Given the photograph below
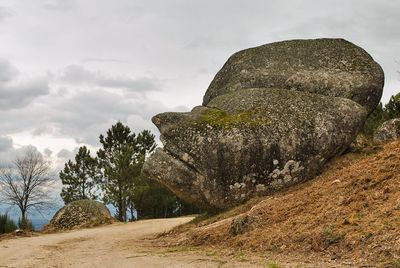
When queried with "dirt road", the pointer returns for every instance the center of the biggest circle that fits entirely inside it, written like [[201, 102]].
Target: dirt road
[[116, 245]]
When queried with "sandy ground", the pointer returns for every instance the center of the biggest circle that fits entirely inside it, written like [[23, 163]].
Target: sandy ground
[[116, 245]]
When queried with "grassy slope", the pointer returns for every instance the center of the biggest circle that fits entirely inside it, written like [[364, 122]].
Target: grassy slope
[[350, 212]]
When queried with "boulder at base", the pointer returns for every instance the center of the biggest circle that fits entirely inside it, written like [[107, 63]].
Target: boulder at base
[[80, 214], [271, 118], [388, 131]]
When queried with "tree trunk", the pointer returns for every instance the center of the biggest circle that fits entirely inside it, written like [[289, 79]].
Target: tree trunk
[[120, 218]]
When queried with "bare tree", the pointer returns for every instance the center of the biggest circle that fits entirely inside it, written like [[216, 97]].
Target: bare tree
[[27, 184]]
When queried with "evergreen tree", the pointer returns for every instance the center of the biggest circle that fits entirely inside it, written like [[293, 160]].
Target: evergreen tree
[[374, 120], [79, 178], [150, 199], [120, 160], [381, 114], [392, 108]]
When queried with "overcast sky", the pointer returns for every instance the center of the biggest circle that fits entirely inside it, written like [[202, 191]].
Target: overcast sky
[[69, 69]]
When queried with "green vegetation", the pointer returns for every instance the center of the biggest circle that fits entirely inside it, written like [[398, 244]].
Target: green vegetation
[[219, 118], [79, 178], [381, 114], [152, 200], [273, 265], [116, 174], [395, 263], [7, 225], [120, 163], [241, 256], [331, 237], [25, 224]]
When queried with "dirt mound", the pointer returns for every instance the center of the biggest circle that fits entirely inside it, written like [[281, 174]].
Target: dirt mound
[[350, 213], [80, 214]]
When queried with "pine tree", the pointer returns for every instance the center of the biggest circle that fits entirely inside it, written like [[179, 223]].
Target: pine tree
[[121, 159], [392, 108], [374, 120], [79, 178]]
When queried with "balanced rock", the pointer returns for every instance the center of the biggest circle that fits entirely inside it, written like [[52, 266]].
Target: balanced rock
[[330, 67], [388, 131], [256, 134], [80, 214]]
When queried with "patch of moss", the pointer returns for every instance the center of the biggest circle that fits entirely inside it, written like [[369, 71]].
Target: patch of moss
[[219, 118]]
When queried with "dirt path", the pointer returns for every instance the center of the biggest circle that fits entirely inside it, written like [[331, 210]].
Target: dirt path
[[116, 245]]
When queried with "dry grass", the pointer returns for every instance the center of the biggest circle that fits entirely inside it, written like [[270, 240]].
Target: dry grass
[[350, 212]]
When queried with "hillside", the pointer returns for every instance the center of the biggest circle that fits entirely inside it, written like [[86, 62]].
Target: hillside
[[349, 215]]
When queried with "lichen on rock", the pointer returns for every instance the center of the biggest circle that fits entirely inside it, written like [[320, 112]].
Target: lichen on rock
[[80, 214], [388, 131], [272, 117]]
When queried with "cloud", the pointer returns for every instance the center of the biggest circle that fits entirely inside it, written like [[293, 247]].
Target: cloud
[[59, 5], [10, 154], [65, 154], [86, 115], [47, 152], [44, 129], [17, 91], [85, 60], [4, 13], [6, 143], [7, 71], [76, 74], [79, 104], [22, 93]]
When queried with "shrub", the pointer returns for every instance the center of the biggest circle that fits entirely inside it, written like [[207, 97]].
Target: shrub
[[25, 224], [7, 225]]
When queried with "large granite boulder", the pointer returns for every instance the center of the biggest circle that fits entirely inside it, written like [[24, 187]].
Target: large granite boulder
[[80, 214], [256, 134], [330, 67], [388, 131]]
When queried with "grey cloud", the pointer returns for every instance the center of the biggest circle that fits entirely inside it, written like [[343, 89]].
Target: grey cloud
[[85, 60], [60, 5], [47, 152], [181, 108], [4, 13], [65, 154], [7, 71], [76, 74], [20, 94], [17, 91], [88, 114], [82, 115], [11, 154], [44, 129], [6, 143]]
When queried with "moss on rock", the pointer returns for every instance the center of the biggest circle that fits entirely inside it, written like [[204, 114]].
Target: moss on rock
[[219, 118]]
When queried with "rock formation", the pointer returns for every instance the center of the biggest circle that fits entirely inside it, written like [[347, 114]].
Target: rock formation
[[272, 117], [80, 214], [388, 131]]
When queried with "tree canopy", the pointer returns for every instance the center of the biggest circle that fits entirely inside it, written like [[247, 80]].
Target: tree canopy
[[120, 160], [79, 178], [381, 114], [116, 172]]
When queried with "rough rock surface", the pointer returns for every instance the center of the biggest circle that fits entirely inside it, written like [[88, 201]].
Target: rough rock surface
[[331, 67], [255, 134], [80, 214], [388, 131]]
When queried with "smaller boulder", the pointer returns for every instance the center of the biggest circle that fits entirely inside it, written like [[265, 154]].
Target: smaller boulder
[[388, 131], [80, 214], [242, 224]]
